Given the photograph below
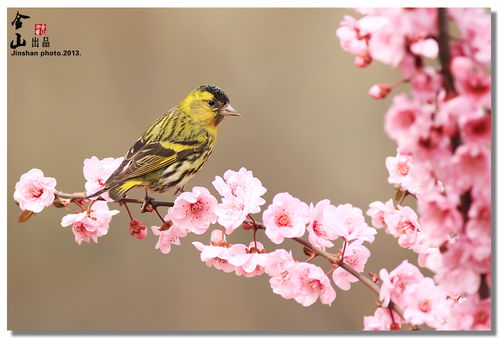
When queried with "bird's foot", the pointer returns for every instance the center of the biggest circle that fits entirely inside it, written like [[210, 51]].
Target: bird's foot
[[147, 206]]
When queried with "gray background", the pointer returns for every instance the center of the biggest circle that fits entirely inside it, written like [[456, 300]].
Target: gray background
[[308, 127]]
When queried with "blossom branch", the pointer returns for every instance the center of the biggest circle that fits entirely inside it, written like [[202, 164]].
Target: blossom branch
[[335, 260], [444, 55], [76, 196]]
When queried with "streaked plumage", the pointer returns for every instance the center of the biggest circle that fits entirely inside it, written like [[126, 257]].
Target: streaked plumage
[[174, 147]]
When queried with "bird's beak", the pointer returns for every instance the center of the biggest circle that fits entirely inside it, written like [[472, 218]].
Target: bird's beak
[[228, 110]]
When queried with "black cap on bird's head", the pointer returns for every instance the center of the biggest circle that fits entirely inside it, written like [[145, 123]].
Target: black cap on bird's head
[[218, 93], [222, 101]]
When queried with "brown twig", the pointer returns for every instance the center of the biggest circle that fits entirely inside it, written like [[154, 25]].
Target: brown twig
[[444, 55], [153, 203]]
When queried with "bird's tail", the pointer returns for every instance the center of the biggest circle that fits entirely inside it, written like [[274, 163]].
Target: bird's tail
[[98, 193], [118, 191]]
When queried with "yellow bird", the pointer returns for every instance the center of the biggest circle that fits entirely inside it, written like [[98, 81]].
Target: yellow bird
[[174, 147]]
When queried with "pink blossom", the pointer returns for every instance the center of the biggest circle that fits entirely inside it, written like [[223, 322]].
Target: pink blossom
[[249, 261], [278, 262], [286, 217], [317, 234], [471, 313], [429, 256], [34, 191], [387, 45], [427, 142], [380, 90], [168, 236], [383, 320], [138, 229], [475, 27], [351, 38], [217, 253], [348, 222], [452, 111], [97, 172], [425, 83], [439, 216], [409, 175], [399, 168], [305, 283], [378, 211], [194, 211], [471, 164], [471, 81], [394, 284], [278, 265], [314, 284], [90, 224], [425, 47], [462, 263], [354, 36], [356, 256], [479, 224], [241, 195], [425, 303], [476, 129], [403, 225], [400, 120]]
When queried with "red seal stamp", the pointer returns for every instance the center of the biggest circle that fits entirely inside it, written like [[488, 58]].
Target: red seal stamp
[[40, 29]]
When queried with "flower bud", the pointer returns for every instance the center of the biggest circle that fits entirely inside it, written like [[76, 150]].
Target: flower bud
[[380, 91], [363, 61], [137, 229]]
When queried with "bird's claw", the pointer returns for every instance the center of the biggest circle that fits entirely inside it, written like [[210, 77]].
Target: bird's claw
[[147, 206]]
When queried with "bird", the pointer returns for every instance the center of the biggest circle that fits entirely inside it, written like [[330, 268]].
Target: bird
[[174, 147]]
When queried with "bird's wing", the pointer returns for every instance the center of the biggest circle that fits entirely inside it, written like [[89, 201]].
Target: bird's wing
[[148, 155]]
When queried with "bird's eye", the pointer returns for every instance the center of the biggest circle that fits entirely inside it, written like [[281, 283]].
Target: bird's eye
[[211, 103]]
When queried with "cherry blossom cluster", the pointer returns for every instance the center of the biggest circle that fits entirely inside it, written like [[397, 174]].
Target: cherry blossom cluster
[[443, 133], [197, 211], [286, 217]]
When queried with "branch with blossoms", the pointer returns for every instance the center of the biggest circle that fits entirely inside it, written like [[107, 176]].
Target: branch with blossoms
[[194, 212], [443, 133]]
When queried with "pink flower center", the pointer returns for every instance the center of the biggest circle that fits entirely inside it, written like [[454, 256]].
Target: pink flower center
[[79, 227], [477, 85], [403, 168], [438, 214], [283, 221], [196, 207], [352, 260], [480, 128], [424, 306], [220, 260], [473, 162], [406, 226], [406, 118], [317, 227], [100, 181], [314, 284], [481, 317], [36, 192], [484, 214]]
